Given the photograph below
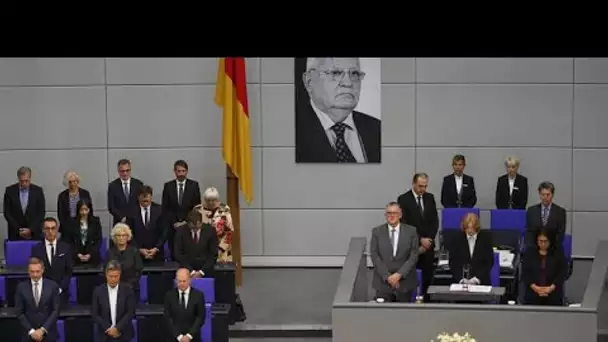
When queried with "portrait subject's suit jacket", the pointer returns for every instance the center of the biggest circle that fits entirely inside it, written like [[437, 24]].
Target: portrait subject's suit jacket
[[313, 146], [404, 261]]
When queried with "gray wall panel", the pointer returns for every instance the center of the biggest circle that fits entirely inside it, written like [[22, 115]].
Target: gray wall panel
[[51, 71]]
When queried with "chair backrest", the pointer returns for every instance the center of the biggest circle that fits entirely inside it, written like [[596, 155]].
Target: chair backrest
[[451, 217], [207, 287], [60, 331], [143, 288], [135, 332], [167, 251], [73, 291], [567, 245], [508, 219], [206, 329], [506, 237], [418, 290], [495, 271], [17, 253], [103, 249], [2, 290], [447, 238]]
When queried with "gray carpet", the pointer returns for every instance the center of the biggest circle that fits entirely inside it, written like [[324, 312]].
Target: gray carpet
[[288, 296]]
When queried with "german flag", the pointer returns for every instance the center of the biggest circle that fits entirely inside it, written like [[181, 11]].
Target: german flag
[[231, 96]]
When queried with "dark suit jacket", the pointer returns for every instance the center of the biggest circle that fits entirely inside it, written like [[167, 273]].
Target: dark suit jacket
[[556, 223], [556, 270], [92, 243], [201, 256], [426, 223], [63, 206], [449, 194], [117, 203], [480, 264], [170, 204], [125, 312], [34, 214], [156, 231], [313, 146], [189, 321], [60, 270], [44, 315], [518, 199], [404, 262]]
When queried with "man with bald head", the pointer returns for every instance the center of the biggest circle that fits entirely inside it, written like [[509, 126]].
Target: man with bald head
[[328, 129], [184, 309]]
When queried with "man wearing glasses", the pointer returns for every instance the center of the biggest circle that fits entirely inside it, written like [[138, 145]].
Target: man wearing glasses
[[122, 192], [394, 253], [328, 129]]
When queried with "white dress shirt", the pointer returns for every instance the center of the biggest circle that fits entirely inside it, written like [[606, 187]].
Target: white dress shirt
[[458, 180], [186, 298], [48, 245], [416, 199], [39, 296], [128, 183], [396, 244], [143, 214], [472, 239], [351, 135], [113, 298], [511, 185]]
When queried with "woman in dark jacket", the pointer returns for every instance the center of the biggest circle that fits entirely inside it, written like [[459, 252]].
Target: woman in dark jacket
[[85, 235], [544, 271], [67, 199], [127, 255]]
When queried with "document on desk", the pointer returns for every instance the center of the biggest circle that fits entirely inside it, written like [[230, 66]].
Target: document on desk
[[506, 259], [471, 288]]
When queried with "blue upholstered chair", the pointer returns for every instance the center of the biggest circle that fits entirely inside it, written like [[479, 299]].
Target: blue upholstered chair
[[451, 217], [17, 253]]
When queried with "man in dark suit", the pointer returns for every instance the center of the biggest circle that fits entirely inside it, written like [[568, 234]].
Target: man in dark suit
[[113, 307], [196, 248], [394, 253], [24, 207], [546, 215], [512, 188], [180, 196], [328, 129], [122, 192], [458, 189], [57, 258], [37, 304], [184, 310], [420, 210], [149, 227]]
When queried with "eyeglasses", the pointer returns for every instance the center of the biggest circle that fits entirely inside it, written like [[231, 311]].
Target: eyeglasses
[[392, 213], [338, 74], [124, 170]]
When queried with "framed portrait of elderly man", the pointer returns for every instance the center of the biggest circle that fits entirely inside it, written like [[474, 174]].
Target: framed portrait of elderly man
[[337, 110]]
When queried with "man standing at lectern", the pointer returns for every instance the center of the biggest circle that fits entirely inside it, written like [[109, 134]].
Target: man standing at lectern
[[420, 210], [394, 253]]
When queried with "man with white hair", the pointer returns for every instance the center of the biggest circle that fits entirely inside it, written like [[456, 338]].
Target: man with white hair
[[328, 129]]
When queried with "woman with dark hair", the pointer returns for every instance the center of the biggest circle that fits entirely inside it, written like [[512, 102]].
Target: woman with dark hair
[[544, 271], [85, 235]]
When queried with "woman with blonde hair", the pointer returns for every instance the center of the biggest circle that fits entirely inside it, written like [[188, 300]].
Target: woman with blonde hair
[[67, 199], [217, 214], [471, 253], [127, 255]]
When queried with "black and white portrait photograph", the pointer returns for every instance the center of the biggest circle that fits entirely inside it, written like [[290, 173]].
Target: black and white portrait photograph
[[338, 110]]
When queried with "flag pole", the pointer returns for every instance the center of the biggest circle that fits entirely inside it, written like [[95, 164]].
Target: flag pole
[[232, 186]]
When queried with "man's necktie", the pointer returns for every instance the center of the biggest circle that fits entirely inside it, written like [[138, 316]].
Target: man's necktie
[[420, 205], [195, 236], [125, 189], [180, 193], [393, 240], [146, 217], [52, 253], [545, 216], [183, 300], [36, 293], [342, 151]]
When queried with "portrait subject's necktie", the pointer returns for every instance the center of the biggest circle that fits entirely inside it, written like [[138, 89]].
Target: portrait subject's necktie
[[36, 293], [393, 242], [180, 193], [342, 151]]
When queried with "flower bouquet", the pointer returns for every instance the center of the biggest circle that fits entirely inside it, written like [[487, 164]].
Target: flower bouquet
[[455, 337]]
